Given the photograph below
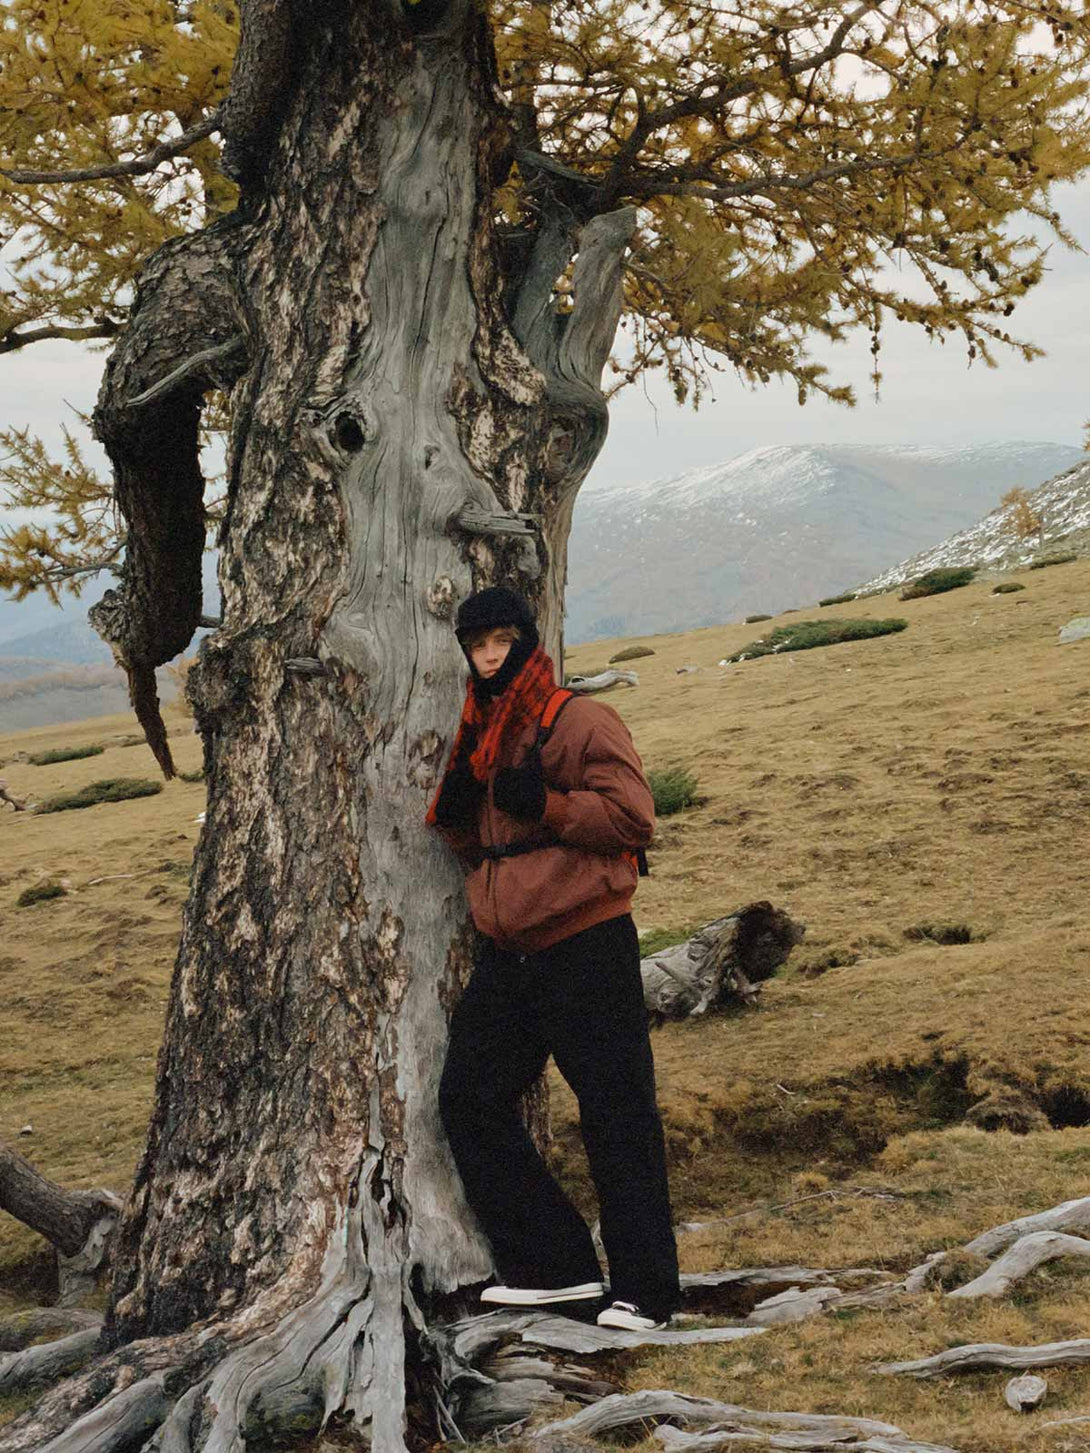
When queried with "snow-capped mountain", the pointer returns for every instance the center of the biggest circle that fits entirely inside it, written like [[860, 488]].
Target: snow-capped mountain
[[1061, 504], [776, 527]]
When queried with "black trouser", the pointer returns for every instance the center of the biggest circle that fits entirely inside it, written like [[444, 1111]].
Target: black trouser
[[582, 1002]]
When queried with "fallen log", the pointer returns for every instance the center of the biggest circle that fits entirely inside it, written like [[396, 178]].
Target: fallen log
[[725, 961]]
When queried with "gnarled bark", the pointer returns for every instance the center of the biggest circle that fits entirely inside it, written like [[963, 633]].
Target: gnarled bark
[[387, 415]]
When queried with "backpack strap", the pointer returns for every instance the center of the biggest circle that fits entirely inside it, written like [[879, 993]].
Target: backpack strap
[[553, 707]]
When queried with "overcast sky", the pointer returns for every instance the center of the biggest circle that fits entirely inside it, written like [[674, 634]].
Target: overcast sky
[[930, 395]]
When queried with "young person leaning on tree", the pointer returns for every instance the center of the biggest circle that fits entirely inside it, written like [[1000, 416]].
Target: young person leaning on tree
[[548, 826]]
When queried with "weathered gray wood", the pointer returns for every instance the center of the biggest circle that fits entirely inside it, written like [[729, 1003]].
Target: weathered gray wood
[[42, 1364], [588, 685], [731, 1422], [1023, 1394], [815, 1438], [130, 1415], [1068, 1216], [506, 1405], [566, 1335], [727, 958], [471, 1338], [479, 521], [793, 1305], [781, 1276], [992, 1354], [1027, 1253], [199, 365]]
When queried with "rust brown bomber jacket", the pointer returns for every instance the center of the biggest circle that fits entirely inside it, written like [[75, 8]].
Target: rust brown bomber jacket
[[598, 805]]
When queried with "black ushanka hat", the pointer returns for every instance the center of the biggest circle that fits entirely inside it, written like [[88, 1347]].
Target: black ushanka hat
[[488, 610]]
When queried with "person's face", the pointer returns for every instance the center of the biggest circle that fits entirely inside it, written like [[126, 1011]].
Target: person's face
[[490, 650]]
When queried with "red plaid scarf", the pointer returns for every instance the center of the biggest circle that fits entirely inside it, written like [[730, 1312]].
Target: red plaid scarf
[[519, 706]]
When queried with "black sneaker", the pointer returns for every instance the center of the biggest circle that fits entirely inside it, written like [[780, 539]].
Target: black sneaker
[[628, 1317], [542, 1296]]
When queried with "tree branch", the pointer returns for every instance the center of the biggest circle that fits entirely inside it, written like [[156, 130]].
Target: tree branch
[[656, 185], [712, 97], [138, 166], [200, 363], [64, 1218], [12, 341]]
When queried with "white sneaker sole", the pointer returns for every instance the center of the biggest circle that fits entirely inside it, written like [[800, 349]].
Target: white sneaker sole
[[626, 1322], [542, 1296]]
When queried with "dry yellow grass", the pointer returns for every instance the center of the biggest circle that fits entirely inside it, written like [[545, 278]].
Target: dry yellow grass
[[940, 776]]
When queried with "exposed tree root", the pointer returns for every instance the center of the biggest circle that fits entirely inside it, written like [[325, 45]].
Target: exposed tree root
[[1068, 1216], [1028, 1253], [342, 1351], [40, 1365], [993, 1354], [78, 1224], [22, 1328], [726, 1423]]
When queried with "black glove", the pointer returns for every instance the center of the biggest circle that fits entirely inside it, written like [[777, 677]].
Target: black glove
[[520, 791], [460, 797]]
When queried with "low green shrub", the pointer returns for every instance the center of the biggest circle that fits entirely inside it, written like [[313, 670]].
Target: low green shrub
[[1006, 587], [838, 599], [110, 789], [805, 635], [631, 653], [197, 776], [1046, 560], [38, 893], [63, 754], [935, 582], [751, 620], [673, 789]]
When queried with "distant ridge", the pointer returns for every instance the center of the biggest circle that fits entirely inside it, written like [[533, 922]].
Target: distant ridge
[[1063, 506], [776, 527]]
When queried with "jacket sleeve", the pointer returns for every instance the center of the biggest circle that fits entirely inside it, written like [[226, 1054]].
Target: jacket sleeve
[[612, 809], [465, 842]]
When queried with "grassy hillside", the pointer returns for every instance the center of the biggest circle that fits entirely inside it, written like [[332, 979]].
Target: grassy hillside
[[895, 1093]]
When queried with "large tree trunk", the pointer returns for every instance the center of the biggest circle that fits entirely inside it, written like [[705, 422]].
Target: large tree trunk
[[296, 1207]]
